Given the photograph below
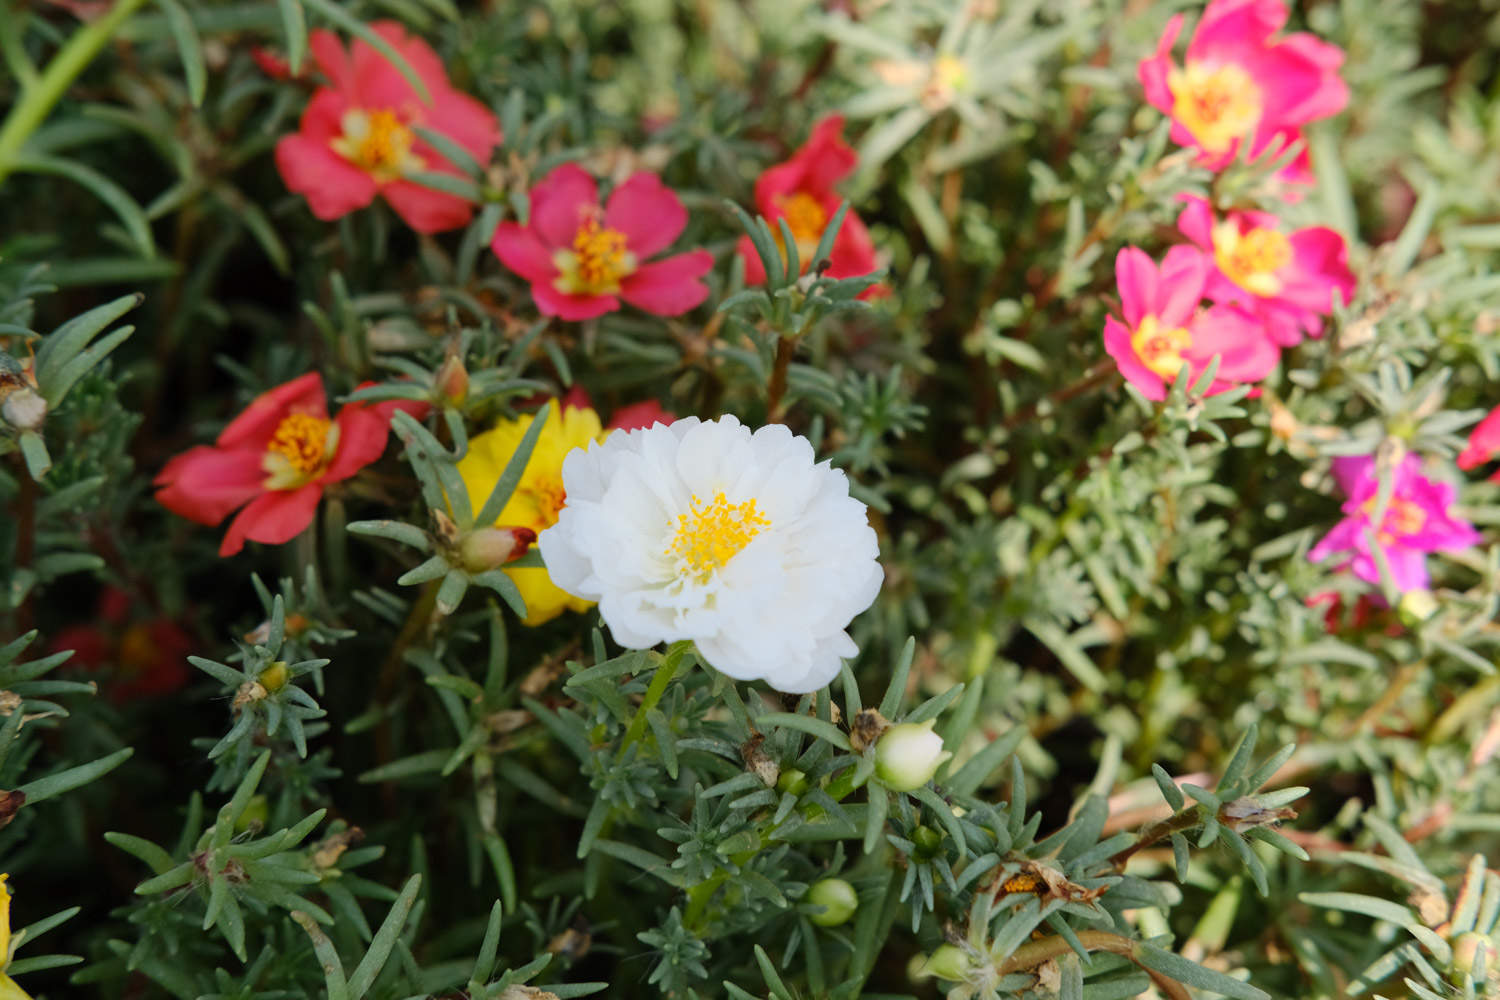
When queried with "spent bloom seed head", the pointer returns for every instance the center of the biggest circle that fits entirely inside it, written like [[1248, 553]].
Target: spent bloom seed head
[[738, 541], [357, 137], [1164, 328], [1289, 280], [1242, 81], [801, 191], [275, 459], [582, 259], [1416, 521]]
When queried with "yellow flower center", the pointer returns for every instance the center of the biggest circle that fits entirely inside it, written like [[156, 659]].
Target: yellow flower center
[[547, 496], [1218, 104], [1160, 350], [1402, 519], [713, 533], [596, 263], [299, 449], [378, 143], [1251, 259]]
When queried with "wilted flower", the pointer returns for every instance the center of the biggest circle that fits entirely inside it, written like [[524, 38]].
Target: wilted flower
[[1416, 521], [1239, 82], [1290, 280], [1164, 328], [582, 260], [357, 138], [801, 192], [1484, 444], [908, 754], [702, 530], [276, 458], [144, 655]]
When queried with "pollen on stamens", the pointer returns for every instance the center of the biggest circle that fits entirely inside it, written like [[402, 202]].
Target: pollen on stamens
[[713, 533], [301, 439]]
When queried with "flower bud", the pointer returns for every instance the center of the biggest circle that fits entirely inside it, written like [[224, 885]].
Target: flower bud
[[24, 409], [490, 548], [254, 816], [947, 962], [927, 841], [1416, 607], [274, 677], [1466, 950], [793, 781], [837, 898], [452, 380], [908, 755]]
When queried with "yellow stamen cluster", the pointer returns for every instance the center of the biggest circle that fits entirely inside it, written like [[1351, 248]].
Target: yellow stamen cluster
[[1251, 259], [804, 216], [299, 449], [1402, 519], [1218, 104], [599, 259], [377, 142], [714, 533], [1160, 350]]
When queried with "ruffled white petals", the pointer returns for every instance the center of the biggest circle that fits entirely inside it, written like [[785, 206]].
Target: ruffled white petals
[[790, 556]]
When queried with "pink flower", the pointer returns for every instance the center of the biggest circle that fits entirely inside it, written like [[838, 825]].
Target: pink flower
[[1484, 444], [276, 458], [1238, 82], [1416, 522], [801, 192], [1289, 280], [357, 136], [1164, 328], [581, 260]]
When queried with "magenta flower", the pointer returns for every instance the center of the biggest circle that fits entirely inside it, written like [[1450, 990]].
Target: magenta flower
[[1238, 82], [582, 260], [1416, 522], [1164, 328], [1289, 280]]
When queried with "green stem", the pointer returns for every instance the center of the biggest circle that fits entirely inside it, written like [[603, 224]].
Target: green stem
[[664, 673], [37, 101]]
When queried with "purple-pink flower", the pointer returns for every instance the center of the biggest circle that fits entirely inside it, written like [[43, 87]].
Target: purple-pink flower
[[1164, 328], [1416, 521], [1239, 82], [1289, 279]]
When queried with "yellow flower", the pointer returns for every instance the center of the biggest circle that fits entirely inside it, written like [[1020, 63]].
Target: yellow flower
[[539, 495], [8, 988]]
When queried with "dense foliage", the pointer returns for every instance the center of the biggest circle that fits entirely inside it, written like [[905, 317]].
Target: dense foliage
[[1103, 604]]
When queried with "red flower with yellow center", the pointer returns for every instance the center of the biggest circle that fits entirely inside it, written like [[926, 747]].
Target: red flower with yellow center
[[1217, 104], [801, 191], [583, 259], [275, 459], [357, 137]]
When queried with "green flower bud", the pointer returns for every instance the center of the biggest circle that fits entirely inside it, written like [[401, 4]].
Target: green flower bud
[[837, 898], [947, 962], [1466, 949], [274, 677], [927, 841], [908, 755], [792, 780]]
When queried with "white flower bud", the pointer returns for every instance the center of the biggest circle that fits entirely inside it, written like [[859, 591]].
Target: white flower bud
[[908, 755]]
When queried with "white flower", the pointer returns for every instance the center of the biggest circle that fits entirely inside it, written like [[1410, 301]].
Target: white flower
[[737, 541]]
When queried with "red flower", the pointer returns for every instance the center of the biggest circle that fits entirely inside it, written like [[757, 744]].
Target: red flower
[[631, 416], [801, 192], [581, 260], [276, 457], [147, 657], [1484, 443], [357, 137]]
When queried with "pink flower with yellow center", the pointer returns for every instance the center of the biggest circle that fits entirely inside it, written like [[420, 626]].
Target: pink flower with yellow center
[[1165, 329], [1289, 279], [276, 458], [801, 191], [1416, 521], [1239, 83], [357, 138], [582, 259]]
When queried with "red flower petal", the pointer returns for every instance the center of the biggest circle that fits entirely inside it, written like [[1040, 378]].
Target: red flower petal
[[273, 518], [379, 84], [363, 428], [755, 272], [466, 121], [426, 210], [670, 286], [646, 413], [332, 185], [254, 426], [519, 249], [551, 302], [647, 212], [331, 58], [556, 203], [204, 484]]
